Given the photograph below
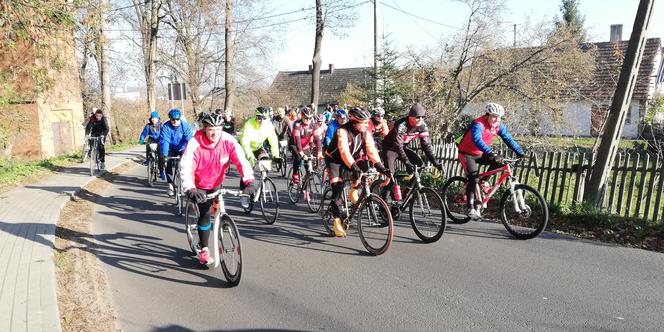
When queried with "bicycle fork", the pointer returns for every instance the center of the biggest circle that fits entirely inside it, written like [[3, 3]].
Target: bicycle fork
[[518, 201]]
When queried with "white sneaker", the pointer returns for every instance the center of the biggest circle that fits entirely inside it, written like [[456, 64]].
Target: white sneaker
[[170, 191], [244, 201], [474, 214]]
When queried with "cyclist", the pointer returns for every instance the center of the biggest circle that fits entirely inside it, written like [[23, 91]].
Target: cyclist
[[150, 135], [327, 114], [301, 140], [173, 139], [280, 123], [340, 118], [378, 126], [98, 126], [229, 121], [255, 132], [203, 167], [475, 149], [349, 144]]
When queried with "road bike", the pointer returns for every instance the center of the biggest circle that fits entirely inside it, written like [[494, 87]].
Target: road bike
[[282, 163], [310, 186], [522, 209], [95, 163], [266, 194], [375, 226], [177, 183], [426, 210], [225, 247], [152, 166]]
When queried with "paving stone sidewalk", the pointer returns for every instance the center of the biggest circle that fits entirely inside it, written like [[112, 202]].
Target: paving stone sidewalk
[[28, 216]]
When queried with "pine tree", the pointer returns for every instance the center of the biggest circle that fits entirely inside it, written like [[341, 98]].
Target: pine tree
[[572, 19]]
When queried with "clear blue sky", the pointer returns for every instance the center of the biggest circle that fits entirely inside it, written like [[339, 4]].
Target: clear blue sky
[[298, 38]]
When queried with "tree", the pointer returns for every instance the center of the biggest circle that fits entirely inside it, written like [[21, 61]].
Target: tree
[[228, 42], [572, 19], [101, 55]]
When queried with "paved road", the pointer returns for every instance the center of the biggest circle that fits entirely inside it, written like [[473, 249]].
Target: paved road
[[475, 278]]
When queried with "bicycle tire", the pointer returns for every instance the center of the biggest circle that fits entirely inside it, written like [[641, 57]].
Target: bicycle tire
[[516, 227], [314, 186], [269, 194], [382, 231], [229, 243], [151, 172], [93, 159], [191, 226], [433, 228], [294, 190], [283, 165], [177, 185], [395, 207], [454, 199], [325, 211]]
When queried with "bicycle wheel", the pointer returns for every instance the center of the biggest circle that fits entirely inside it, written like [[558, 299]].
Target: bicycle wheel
[[394, 206], [325, 211], [314, 187], [230, 250], [93, 159], [191, 226], [427, 215], [293, 189], [533, 217], [177, 185], [375, 232], [283, 165], [151, 172], [454, 199], [269, 201]]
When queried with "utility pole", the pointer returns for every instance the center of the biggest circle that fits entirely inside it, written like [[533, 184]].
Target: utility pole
[[514, 35], [622, 98], [376, 34]]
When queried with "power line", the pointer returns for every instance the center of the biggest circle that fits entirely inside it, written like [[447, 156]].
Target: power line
[[417, 16]]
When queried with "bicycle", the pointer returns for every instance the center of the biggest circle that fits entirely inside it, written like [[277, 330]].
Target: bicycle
[[522, 210], [95, 163], [282, 165], [374, 219], [309, 188], [177, 183], [266, 194], [152, 167], [86, 149], [226, 247], [426, 210]]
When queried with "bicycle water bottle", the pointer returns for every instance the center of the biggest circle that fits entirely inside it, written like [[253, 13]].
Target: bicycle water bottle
[[397, 192], [215, 207], [486, 187]]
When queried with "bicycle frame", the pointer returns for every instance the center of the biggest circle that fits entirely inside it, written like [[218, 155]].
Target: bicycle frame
[[364, 182], [506, 175], [264, 166], [221, 211]]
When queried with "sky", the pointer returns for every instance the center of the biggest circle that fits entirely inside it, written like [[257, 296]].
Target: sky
[[355, 49]]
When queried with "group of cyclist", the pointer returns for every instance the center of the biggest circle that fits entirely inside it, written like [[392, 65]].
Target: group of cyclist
[[348, 139]]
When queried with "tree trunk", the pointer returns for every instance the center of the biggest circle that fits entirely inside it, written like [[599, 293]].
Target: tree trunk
[[315, 75], [102, 63], [228, 75], [150, 60]]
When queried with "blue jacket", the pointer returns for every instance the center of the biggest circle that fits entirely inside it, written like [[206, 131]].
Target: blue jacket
[[481, 137], [151, 132], [174, 138], [331, 129]]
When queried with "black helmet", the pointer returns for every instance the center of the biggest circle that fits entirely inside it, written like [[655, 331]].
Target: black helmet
[[212, 120], [262, 112], [358, 115], [307, 112]]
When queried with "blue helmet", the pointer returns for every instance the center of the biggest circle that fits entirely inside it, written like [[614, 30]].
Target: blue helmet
[[341, 113], [174, 114], [154, 115]]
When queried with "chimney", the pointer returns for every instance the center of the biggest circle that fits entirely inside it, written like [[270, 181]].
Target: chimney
[[331, 68], [311, 69], [616, 33]]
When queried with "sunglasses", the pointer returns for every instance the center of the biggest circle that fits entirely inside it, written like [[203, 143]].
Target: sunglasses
[[175, 119], [260, 117]]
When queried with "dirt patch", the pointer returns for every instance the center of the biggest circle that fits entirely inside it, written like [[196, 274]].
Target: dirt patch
[[84, 298]]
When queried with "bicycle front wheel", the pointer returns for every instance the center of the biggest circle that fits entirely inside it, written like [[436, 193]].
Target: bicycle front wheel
[[427, 215], [293, 189], [314, 187], [93, 160], [533, 216], [454, 198], [269, 201], [283, 165], [151, 172], [325, 210], [230, 250], [375, 225], [191, 226], [178, 192]]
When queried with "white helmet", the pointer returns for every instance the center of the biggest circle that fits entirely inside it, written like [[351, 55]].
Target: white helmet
[[494, 109]]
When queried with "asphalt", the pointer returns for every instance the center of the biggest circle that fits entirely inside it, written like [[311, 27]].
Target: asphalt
[[296, 278]]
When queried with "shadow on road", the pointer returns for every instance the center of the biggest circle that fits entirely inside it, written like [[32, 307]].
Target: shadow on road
[[178, 328]]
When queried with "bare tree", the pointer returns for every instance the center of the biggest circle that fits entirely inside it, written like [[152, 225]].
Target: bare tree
[[102, 64], [148, 19], [228, 77]]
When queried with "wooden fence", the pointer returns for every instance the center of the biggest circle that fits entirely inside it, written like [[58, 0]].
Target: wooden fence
[[634, 188]]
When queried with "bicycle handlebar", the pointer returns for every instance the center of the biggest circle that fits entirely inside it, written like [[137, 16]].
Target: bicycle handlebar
[[222, 192]]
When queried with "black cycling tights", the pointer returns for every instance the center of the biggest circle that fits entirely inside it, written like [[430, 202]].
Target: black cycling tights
[[472, 167], [204, 226]]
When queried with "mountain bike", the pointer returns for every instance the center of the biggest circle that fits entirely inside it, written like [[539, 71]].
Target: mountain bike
[[426, 210], [522, 209], [177, 183], [310, 186], [374, 220], [266, 194], [225, 247], [152, 167], [95, 163]]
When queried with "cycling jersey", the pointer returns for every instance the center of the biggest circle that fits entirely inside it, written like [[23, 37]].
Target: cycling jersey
[[477, 140], [403, 133], [331, 129], [229, 125], [379, 129], [320, 130], [254, 135], [174, 139], [302, 136], [282, 128], [349, 145], [151, 132], [204, 165], [96, 127]]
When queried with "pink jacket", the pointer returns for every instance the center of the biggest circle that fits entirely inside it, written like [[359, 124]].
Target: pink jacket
[[204, 165]]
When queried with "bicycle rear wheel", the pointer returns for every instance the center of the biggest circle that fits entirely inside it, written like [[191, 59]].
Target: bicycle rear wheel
[[325, 211], [427, 215], [533, 217], [269, 201], [191, 226], [314, 186], [230, 250], [375, 232], [454, 199], [284, 164]]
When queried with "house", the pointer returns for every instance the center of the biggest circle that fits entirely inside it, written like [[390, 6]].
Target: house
[[47, 123], [293, 88]]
